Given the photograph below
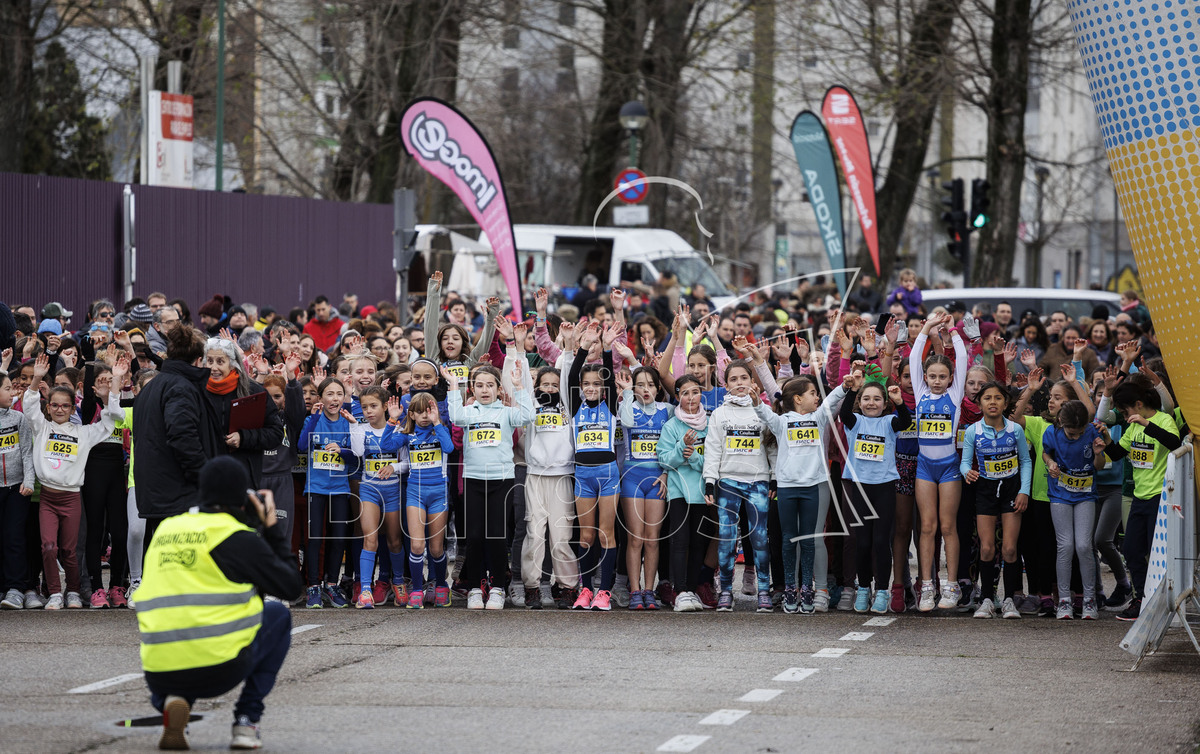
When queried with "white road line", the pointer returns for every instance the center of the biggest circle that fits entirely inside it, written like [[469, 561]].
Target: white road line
[[305, 627], [857, 636], [831, 652], [683, 743], [725, 717], [114, 681], [794, 674], [880, 621], [760, 695]]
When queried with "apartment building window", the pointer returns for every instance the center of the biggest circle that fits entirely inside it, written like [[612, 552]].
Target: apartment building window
[[566, 56], [810, 61], [566, 14], [510, 87], [872, 128], [564, 82], [743, 60], [512, 38]]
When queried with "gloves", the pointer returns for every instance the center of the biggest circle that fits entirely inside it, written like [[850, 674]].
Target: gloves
[[902, 333], [970, 327]]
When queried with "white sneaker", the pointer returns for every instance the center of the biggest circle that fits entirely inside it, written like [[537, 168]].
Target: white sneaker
[[245, 735], [13, 600], [475, 599], [34, 601], [683, 602], [926, 602], [55, 602], [951, 594], [1008, 609], [821, 601], [987, 609], [74, 602], [133, 585], [516, 595], [176, 713], [620, 591], [495, 599]]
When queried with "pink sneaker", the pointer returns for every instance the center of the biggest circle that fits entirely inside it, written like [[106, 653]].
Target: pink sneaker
[[416, 600], [602, 601], [99, 600], [584, 601], [365, 600], [116, 597], [441, 596]]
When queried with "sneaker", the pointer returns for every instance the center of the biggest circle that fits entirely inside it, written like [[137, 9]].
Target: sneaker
[[1077, 604], [1008, 609], [366, 599], [1065, 611], [666, 593], [13, 600], [602, 600], [620, 591], [55, 602], [1129, 613], [133, 587], [951, 594], [648, 599], [821, 601], [475, 599], [1028, 604], [380, 592], [987, 609], [898, 602], [791, 600], [246, 734], [584, 600], [34, 601], [333, 595], [351, 595], [459, 589], [100, 600], [683, 603], [764, 603], [927, 602], [807, 600], [910, 598], [73, 601], [116, 597], [846, 601], [566, 599], [176, 713], [441, 596], [749, 581], [400, 594], [547, 595], [725, 601], [1046, 608], [707, 596], [637, 601], [314, 601], [970, 596], [1119, 599], [1090, 611], [516, 595], [495, 600], [862, 599], [430, 593], [835, 595], [533, 598], [416, 601], [880, 605]]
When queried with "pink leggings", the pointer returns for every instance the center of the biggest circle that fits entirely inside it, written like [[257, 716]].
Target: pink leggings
[[59, 516]]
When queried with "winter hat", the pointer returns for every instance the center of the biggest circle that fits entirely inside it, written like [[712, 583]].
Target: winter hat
[[141, 314], [214, 307], [223, 481], [52, 326]]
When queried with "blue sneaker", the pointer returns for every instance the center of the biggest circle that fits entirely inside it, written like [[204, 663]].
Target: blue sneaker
[[880, 606], [807, 600], [725, 601], [862, 599], [791, 600], [636, 601], [334, 596], [764, 603], [314, 598]]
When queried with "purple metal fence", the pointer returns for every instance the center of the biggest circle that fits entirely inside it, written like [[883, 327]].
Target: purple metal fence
[[60, 240]]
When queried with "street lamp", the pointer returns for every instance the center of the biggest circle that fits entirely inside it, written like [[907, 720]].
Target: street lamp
[[633, 117]]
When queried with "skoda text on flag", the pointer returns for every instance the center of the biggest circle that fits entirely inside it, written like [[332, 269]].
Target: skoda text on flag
[[849, 135], [449, 146], [815, 157]]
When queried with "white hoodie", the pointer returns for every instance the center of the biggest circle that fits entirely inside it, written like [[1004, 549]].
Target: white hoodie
[[60, 451]]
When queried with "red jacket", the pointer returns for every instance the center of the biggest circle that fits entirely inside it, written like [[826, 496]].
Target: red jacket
[[324, 334]]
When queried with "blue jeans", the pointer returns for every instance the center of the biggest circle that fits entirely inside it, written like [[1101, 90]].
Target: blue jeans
[[801, 514], [730, 496], [267, 653]]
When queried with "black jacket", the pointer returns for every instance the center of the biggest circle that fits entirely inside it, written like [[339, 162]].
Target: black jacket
[[254, 441], [174, 437], [868, 301]]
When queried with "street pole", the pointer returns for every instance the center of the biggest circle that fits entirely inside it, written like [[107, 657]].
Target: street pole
[[220, 95], [404, 241]]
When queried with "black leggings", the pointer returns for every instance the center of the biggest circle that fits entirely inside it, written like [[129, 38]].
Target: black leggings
[[968, 537], [104, 505], [1038, 547], [875, 534], [484, 506], [701, 529], [327, 523]]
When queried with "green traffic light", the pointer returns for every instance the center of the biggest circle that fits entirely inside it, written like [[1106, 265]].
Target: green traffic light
[[980, 221]]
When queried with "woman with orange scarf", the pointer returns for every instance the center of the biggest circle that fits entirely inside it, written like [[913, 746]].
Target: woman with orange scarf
[[226, 382]]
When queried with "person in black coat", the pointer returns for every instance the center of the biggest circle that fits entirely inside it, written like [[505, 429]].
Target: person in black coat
[[175, 433], [227, 381]]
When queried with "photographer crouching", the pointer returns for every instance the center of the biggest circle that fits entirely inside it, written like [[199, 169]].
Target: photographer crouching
[[203, 623]]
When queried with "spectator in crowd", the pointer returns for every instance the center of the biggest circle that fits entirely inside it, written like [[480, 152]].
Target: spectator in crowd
[[324, 327]]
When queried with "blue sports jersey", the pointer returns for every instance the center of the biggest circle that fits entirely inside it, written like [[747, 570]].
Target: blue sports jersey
[[641, 435], [871, 450], [327, 469], [1076, 465], [937, 418], [595, 429], [710, 399]]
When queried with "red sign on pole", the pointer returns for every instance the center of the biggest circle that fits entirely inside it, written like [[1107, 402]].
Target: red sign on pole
[[631, 194]]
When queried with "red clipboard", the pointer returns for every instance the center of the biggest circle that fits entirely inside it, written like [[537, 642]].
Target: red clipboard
[[249, 412]]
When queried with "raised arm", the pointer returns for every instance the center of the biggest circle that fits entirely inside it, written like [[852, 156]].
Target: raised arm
[[433, 309], [489, 331]]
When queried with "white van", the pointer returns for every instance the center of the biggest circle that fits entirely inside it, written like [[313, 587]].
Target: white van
[[1077, 304]]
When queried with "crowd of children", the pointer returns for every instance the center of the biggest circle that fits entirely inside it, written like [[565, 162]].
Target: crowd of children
[[599, 459]]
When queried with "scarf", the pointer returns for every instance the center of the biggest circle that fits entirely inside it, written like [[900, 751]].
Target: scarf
[[224, 386], [545, 399], [697, 421], [738, 400]]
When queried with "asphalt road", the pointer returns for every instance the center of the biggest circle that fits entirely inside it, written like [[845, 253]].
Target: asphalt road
[[452, 680]]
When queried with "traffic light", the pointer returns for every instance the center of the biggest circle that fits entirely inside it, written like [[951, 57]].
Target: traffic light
[[979, 202], [955, 218]]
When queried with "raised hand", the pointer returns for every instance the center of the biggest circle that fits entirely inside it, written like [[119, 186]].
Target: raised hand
[[1036, 379], [611, 333], [1010, 352], [895, 394], [1068, 373], [436, 279], [1081, 345], [516, 374], [590, 336], [1028, 358], [5, 359], [519, 331], [292, 362], [1020, 380], [970, 326], [570, 338], [349, 416], [624, 380], [120, 371], [109, 356], [41, 368], [617, 297], [540, 299], [1151, 375], [450, 377], [802, 349], [319, 374], [892, 331], [782, 349], [503, 326]]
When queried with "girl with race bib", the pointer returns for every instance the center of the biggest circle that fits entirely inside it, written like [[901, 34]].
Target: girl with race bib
[[703, 362], [939, 393], [60, 454], [643, 481], [380, 490], [429, 445], [906, 465], [997, 468], [869, 479]]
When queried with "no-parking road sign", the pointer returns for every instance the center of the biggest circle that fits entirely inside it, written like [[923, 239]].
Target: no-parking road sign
[[631, 194]]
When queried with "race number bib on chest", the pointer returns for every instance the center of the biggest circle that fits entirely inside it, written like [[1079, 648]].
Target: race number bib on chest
[[592, 437], [743, 441], [10, 440], [869, 448], [550, 420], [458, 370], [935, 427], [483, 435], [1001, 466], [1075, 482], [62, 447], [803, 434], [643, 446], [908, 434], [373, 465], [1141, 455], [327, 460], [426, 456]]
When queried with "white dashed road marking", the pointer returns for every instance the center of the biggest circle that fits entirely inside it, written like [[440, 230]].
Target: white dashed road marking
[[114, 681], [880, 621], [725, 717], [683, 743], [857, 636], [306, 627], [794, 674], [831, 652], [760, 695]]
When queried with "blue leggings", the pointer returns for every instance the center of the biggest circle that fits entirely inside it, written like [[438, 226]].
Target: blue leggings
[[730, 496]]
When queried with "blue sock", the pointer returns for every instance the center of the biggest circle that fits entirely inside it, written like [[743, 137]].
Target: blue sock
[[416, 569], [397, 561], [587, 564], [608, 568], [439, 570], [366, 567], [384, 555]]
